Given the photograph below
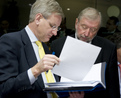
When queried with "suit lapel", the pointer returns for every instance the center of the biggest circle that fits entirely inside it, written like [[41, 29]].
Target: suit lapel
[[97, 42], [29, 52], [30, 55]]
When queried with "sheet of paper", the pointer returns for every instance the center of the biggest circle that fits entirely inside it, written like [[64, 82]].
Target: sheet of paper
[[77, 57], [94, 73]]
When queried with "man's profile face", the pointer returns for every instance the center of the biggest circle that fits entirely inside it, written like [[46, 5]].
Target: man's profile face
[[86, 29], [110, 26], [48, 27]]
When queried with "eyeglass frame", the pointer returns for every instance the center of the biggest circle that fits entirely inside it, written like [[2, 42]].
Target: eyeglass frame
[[53, 27]]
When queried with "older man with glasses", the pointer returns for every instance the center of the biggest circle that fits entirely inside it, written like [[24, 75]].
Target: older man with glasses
[[87, 25]]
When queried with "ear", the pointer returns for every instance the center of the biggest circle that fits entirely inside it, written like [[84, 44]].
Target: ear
[[38, 18], [76, 22]]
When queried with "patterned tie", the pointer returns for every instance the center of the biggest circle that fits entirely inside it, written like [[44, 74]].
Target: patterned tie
[[48, 74]]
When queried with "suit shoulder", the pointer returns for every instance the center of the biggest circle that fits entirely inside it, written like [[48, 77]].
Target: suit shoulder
[[12, 35], [59, 40], [102, 42], [13, 38]]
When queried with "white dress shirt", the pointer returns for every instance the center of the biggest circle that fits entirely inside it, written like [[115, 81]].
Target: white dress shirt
[[33, 40]]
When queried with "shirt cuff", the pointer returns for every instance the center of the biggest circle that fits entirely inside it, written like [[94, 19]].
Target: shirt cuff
[[31, 76]]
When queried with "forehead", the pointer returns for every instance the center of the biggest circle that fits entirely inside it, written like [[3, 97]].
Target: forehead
[[90, 23], [54, 18]]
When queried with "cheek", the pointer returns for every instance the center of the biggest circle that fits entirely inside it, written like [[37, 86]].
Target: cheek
[[92, 35], [79, 31], [41, 33]]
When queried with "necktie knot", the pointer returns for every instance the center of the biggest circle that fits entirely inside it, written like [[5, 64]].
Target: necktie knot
[[38, 43], [41, 50]]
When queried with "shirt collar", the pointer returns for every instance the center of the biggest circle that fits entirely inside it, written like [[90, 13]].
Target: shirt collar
[[31, 35]]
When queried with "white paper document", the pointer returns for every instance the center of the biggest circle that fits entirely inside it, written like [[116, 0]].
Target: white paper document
[[94, 80], [76, 59], [95, 75]]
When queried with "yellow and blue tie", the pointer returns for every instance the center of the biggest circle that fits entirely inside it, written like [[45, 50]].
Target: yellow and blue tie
[[49, 76]]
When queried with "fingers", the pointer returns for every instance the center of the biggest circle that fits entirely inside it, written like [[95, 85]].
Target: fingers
[[76, 94], [45, 64], [48, 62], [82, 94], [51, 59]]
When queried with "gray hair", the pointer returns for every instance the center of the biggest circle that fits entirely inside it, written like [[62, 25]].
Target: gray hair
[[91, 14], [46, 8]]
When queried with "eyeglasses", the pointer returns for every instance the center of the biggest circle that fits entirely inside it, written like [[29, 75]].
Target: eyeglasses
[[52, 26], [85, 27]]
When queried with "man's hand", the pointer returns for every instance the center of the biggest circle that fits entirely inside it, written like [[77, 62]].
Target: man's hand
[[76, 94], [45, 64]]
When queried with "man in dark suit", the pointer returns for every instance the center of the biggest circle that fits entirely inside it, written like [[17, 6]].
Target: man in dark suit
[[21, 68], [86, 26], [111, 27]]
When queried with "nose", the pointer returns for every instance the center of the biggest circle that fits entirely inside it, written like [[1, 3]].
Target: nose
[[54, 32], [87, 32]]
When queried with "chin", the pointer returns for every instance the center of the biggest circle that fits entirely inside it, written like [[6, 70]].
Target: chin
[[47, 40], [83, 39]]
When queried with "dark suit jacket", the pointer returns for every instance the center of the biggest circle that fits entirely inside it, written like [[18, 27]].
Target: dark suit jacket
[[108, 54], [16, 57], [103, 32]]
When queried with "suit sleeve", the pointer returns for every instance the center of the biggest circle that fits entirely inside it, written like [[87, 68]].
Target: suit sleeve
[[12, 82]]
